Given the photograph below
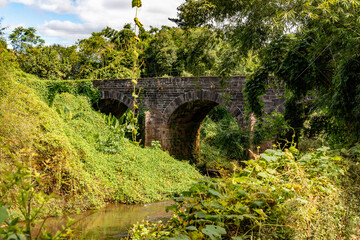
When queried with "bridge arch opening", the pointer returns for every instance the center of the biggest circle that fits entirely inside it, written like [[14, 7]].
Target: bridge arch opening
[[118, 107], [184, 126], [208, 135], [111, 106]]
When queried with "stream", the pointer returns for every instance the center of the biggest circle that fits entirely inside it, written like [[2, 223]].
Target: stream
[[110, 222]]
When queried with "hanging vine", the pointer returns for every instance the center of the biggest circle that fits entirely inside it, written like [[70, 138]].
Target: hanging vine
[[133, 125]]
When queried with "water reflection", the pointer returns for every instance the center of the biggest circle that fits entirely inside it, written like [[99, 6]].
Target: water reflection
[[111, 222]]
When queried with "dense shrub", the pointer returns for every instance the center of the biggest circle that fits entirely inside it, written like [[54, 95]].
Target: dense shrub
[[278, 195]]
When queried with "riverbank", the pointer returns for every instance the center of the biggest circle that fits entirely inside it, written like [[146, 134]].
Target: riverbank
[[111, 222]]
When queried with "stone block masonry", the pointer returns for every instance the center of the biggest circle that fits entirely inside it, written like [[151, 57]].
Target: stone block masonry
[[177, 106]]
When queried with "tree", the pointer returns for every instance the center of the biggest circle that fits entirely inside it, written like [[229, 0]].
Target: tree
[[176, 52], [2, 33], [69, 60], [161, 54], [107, 54], [43, 62], [22, 38], [311, 47]]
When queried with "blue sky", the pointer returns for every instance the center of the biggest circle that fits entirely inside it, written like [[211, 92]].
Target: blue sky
[[65, 21]]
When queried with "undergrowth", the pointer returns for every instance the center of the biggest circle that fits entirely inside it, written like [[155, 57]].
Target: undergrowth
[[51, 128], [278, 195], [222, 141]]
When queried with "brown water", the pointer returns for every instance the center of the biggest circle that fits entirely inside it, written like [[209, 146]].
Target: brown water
[[111, 222]]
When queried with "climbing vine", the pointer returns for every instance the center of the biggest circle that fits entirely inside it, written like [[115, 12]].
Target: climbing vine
[[133, 115]]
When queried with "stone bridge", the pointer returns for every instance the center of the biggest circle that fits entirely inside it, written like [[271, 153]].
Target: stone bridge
[[177, 106]]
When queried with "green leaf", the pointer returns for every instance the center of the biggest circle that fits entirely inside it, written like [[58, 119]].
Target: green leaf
[[242, 193], [201, 215], [136, 3], [215, 193], [274, 152], [191, 228], [3, 215], [138, 23], [268, 158], [323, 149], [237, 238], [16, 237], [233, 216], [180, 237], [263, 175], [250, 216], [261, 213], [213, 232], [257, 204]]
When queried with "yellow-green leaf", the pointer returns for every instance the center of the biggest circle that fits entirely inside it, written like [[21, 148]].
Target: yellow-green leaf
[[137, 22], [136, 3]]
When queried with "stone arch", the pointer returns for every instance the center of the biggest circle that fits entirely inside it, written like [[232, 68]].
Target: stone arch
[[114, 102], [191, 97], [184, 116]]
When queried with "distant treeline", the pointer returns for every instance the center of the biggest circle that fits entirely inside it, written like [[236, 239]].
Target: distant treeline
[[110, 54]]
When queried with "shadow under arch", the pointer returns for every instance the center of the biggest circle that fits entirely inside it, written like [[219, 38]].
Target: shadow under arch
[[116, 105], [184, 117]]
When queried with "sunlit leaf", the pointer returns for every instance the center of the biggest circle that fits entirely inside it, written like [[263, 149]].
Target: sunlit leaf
[[16, 237], [138, 23], [213, 231], [215, 193], [191, 228], [237, 238], [180, 237], [3, 215], [136, 3], [201, 215]]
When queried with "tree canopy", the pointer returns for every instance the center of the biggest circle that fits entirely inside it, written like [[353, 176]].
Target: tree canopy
[[310, 47]]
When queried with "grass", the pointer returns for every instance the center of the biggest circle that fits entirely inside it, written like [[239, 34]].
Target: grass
[[51, 127]]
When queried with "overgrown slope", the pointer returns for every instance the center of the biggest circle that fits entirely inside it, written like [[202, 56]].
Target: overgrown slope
[[67, 144]]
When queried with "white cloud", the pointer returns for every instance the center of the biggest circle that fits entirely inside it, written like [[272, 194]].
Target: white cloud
[[3, 2], [57, 6], [98, 14], [26, 2], [67, 29]]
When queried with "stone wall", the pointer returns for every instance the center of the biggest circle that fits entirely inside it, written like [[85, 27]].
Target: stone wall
[[177, 106]]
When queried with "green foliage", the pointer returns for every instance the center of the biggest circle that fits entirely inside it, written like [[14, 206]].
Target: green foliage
[[48, 90], [222, 141], [111, 54], [273, 127], [20, 192], [3, 43], [136, 3], [22, 38], [80, 155], [125, 172], [42, 62], [108, 54], [278, 195], [310, 47], [156, 144], [173, 52]]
